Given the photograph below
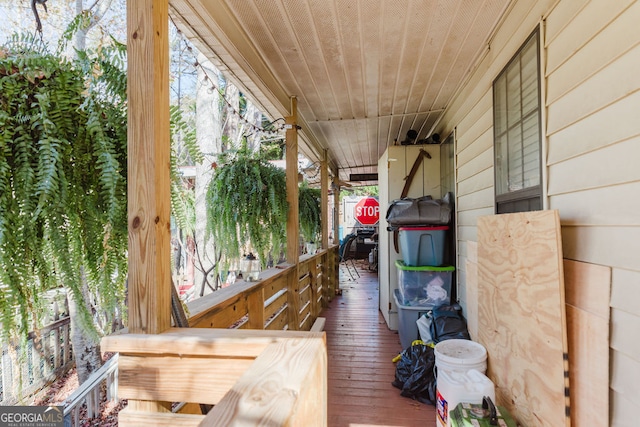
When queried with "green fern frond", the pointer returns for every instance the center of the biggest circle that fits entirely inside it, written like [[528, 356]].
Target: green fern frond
[[246, 203], [62, 183], [309, 212]]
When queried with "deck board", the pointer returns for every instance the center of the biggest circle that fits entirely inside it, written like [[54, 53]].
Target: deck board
[[360, 349]]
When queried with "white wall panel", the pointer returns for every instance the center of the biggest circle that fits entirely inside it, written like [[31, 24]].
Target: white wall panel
[[615, 123]]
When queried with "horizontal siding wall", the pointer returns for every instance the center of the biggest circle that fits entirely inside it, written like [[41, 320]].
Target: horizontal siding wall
[[474, 160], [471, 114], [592, 99]]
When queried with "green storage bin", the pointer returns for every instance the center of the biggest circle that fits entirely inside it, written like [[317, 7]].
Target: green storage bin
[[424, 286]]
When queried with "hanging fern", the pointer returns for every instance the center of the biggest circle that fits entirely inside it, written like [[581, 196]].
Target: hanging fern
[[309, 212], [183, 203], [63, 215], [247, 205], [63, 169]]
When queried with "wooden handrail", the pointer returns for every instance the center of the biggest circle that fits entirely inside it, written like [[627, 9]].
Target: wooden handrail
[[273, 375], [278, 300]]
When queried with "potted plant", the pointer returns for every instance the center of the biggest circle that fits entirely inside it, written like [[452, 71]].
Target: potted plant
[[247, 205]]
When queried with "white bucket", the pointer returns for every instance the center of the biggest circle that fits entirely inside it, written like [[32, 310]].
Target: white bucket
[[460, 355], [455, 387]]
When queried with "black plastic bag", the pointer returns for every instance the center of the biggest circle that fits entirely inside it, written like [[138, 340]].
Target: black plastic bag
[[448, 323], [414, 374]]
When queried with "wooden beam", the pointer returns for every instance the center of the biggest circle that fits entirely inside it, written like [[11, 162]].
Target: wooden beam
[[276, 305], [255, 306], [131, 418], [178, 378], [336, 210], [293, 226], [148, 166], [324, 200], [280, 321], [204, 310], [318, 325], [198, 342], [285, 386]]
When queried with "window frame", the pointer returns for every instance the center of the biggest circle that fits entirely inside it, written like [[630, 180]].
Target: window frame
[[532, 197]]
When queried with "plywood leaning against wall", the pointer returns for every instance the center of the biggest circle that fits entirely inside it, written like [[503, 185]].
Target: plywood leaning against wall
[[521, 314], [588, 291]]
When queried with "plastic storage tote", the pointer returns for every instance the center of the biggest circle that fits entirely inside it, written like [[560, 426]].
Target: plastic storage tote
[[407, 317], [424, 286], [422, 245]]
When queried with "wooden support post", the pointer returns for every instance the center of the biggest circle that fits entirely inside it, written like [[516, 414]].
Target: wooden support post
[[293, 227], [293, 300], [148, 162], [329, 278], [148, 173], [324, 200], [336, 209], [325, 272], [335, 262], [255, 307]]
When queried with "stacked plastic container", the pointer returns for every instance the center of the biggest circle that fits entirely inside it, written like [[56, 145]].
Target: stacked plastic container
[[423, 281]]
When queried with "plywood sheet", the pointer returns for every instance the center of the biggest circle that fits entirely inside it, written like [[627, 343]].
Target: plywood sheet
[[521, 314], [588, 290]]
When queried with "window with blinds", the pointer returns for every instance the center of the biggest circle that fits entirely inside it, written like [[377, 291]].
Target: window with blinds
[[517, 134]]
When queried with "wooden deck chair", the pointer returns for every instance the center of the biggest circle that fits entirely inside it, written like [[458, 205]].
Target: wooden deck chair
[[347, 259]]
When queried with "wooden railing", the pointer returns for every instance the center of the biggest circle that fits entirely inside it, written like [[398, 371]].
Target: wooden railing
[[244, 353], [26, 370], [90, 393], [285, 297]]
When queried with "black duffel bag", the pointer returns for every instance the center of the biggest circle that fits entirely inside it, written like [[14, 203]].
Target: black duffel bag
[[421, 211]]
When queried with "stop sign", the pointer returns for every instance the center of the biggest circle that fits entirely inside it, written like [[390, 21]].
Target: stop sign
[[367, 211]]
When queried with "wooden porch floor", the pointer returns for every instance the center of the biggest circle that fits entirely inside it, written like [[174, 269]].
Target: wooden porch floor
[[361, 348]]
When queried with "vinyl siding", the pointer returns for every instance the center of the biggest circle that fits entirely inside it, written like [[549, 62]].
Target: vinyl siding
[[591, 88]]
